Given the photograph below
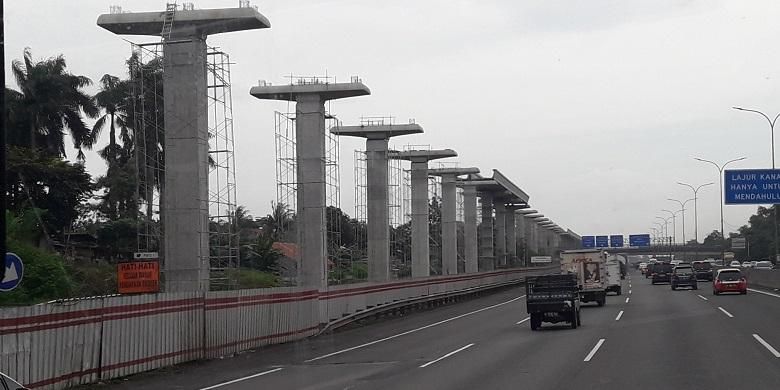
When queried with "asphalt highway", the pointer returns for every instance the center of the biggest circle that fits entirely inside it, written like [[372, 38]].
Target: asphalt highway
[[649, 338]]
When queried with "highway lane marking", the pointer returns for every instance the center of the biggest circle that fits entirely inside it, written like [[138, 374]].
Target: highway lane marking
[[447, 355], [594, 350], [629, 291], [619, 315], [764, 292], [766, 345], [627, 299], [242, 379], [523, 320], [702, 297], [725, 312], [411, 331]]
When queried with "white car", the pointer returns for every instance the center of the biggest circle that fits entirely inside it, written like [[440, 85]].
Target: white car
[[735, 264], [746, 264], [763, 265]]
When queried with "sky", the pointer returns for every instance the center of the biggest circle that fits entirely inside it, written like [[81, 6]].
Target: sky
[[596, 108]]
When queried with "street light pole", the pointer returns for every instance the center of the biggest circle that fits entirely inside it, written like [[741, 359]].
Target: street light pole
[[674, 223], [695, 206], [720, 168], [666, 232], [772, 123], [682, 211]]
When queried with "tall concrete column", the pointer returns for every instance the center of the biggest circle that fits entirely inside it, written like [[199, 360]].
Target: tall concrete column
[[520, 234], [511, 237], [500, 239], [486, 255], [421, 261], [185, 202], [310, 98], [470, 228], [377, 137], [449, 223]]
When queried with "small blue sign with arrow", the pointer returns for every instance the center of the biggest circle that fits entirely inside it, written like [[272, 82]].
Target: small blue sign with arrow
[[14, 271]]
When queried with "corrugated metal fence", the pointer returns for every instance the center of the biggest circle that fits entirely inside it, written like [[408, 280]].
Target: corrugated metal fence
[[54, 346]]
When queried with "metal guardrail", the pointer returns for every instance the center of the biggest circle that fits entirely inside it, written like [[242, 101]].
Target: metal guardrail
[[381, 309]]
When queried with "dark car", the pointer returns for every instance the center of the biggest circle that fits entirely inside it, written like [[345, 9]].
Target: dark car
[[703, 270], [684, 275], [662, 273]]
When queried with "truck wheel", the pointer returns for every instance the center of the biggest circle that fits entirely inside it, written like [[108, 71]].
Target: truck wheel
[[574, 319], [620, 291], [696, 286], [536, 321], [601, 301], [579, 321], [674, 287]]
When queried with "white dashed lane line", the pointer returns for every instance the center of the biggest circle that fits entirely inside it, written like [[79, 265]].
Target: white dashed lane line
[[627, 299], [619, 315], [725, 312], [242, 379], [523, 320], [593, 351], [702, 297], [447, 355], [766, 345]]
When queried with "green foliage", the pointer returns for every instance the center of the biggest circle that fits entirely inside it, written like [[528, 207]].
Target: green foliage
[[261, 255], [119, 237], [91, 279], [759, 233], [250, 278], [36, 180], [45, 278]]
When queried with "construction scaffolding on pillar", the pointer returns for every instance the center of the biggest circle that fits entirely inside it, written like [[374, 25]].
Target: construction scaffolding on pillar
[[397, 186], [287, 178], [223, 232], [434, 218], [147, 118], [360, 233]]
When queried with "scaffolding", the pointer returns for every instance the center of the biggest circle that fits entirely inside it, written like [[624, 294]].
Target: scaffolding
[[148, 142], [223, 230], [361, 202], [287, 175]]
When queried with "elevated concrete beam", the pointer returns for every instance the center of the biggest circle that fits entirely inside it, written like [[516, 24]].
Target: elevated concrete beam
[[200, 22]]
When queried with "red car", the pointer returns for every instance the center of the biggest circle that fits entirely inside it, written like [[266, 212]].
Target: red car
[[729, 280]]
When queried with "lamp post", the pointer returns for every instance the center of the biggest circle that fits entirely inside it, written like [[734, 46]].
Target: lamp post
[[666, 230], [682, 212], [772, 123], [720, 168], [674, 223], [695, 208]]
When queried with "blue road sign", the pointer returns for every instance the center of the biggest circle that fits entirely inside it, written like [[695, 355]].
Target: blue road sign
[[616, 241], [639, 240], [602, 241], [14, 271], [588, 242], [751, 186]]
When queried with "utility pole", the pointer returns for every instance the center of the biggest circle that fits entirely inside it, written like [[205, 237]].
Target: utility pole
[[720, 168]]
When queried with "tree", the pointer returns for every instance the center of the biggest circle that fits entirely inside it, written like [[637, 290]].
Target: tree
[[112, 100], [759, 233], [279, 223], [714, 239], [37, 180], [50, 101]]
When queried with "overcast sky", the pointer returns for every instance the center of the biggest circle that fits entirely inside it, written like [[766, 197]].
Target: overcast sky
[[594, 108]]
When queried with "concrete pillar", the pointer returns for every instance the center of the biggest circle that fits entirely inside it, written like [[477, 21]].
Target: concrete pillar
[[520, 234], [500, 239], [378, 212], [470, 228], [449, 230], [186, 192], [186, 195], [486, 255], [310, 101], [421, 262], [377, 137], [511, 237]]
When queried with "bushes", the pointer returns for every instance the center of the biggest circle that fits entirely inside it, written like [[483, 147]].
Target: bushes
[[45, 277], [249, 278]]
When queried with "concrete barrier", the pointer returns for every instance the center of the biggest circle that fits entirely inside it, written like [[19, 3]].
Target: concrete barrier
[[763, 278], [64, 344]]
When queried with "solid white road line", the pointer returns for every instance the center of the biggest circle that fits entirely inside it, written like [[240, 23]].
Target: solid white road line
[[594, 350], [702, 297], [725, 312], [619, 315], [627, 299], [764, 292], [242, 379], [447, 355], [766, 345], [523, 320], [413, 330]]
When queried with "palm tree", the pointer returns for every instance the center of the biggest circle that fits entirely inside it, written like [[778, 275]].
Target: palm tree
[[52, 101], [279, 221], [112, 99]]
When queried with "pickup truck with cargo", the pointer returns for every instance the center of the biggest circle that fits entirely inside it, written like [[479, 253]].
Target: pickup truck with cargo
[[553, 298], [589, 266]]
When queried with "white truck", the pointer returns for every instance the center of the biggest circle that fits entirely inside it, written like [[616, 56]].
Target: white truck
[[590, 267], [613, 275]]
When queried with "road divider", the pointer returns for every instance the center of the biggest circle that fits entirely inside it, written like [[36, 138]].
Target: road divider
[[463, 348], [594, 350], [766, 345], [725, 312], [242, 379]]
